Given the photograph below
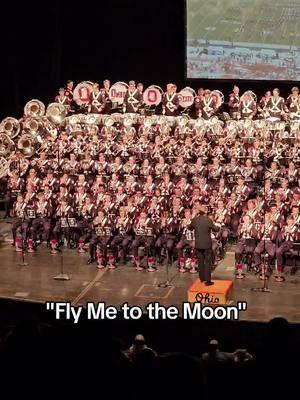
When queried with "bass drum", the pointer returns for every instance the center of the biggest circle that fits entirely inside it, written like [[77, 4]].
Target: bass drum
[[117, 92], [186, 97], [152, 96], [82, 92], [219, 96]]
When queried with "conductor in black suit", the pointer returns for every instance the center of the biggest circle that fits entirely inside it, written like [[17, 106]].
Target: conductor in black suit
[[203, 244]]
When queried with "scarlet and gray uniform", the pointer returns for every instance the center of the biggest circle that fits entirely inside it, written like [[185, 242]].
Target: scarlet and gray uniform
[[106, 101], [187, 240], [43, 219], [14, 187], [132, 101], [222, 220], [245, 231], [170, 104], [167, 232], [293, 105], [86, 215], [122, 238], [96, 102], [29, 216], [233, 104], [287, 236], [144, 231], [102, 235], [69, 95], [18, 213], [207, 107], [62, 100], [267, 235], [63, 215], [276, 106], [247, 109]]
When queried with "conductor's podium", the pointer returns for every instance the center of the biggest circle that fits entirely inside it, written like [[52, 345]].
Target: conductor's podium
[[219, 293]]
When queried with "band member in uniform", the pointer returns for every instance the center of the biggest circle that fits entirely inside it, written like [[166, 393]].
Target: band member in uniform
[[187, 241], [133, 99], [122, 236], [105, 97], [86, 213], [144, 231], [247, 234], [247, 106], [276, 105], [293, 103], [287, 236], [207, 106], [69, 91], [61, 98], [102, 235], [18, 213], [170, 102], [96, 101], [44, 212], [262, 105], [62, 214], [267, 236], [234, 102], [168, 229]]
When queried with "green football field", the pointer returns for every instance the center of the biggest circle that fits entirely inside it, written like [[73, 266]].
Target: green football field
[[255, 21]]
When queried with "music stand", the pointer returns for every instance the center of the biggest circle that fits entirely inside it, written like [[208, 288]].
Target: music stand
[[61, 276], [167, 282]]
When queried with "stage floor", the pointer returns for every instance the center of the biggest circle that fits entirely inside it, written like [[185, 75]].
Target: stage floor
[[87, 284]]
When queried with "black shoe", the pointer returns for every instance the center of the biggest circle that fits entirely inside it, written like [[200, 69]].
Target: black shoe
[[91, 260], [209, 283]]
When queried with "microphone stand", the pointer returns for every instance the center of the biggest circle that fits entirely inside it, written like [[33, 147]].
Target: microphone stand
[[62, 276]]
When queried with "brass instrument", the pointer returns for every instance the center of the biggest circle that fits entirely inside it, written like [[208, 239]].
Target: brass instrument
[[27, 144], [34, 126], [3, 167], [19, 165], [7, 146], [34, 108], [56, 113], [10, 126]]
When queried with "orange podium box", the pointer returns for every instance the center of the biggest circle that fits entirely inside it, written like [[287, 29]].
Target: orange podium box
[[219, 293]]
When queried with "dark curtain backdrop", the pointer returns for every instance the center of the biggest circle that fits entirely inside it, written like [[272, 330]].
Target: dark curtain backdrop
[[45, 43]]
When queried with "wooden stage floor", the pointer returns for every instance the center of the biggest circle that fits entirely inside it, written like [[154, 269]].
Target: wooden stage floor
[[35, 283]]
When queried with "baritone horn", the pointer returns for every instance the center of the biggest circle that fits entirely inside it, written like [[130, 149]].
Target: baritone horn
[[10, 126]]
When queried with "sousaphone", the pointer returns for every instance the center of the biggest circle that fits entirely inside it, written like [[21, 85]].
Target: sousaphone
[[34, 108], [27, 144], [7, 146], [10, 126], [3, 167], [56, 113]]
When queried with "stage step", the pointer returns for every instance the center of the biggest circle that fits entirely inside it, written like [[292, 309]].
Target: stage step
[[219, 293]]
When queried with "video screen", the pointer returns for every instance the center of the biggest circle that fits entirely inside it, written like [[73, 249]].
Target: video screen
[[238, 39]]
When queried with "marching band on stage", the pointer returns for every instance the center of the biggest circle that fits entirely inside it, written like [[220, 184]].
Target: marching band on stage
[[120, 171]]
